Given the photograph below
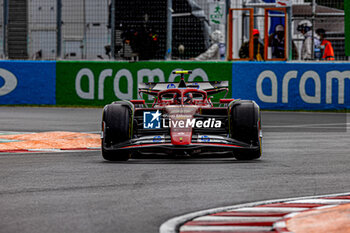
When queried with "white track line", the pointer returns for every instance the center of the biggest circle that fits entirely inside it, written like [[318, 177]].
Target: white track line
[[44, 150], [321, 201]]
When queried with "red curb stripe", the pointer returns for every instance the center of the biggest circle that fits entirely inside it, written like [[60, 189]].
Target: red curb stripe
[[337, 197], [301, 205], [249, 214], [227, 223], [78, 149], [14, 151]]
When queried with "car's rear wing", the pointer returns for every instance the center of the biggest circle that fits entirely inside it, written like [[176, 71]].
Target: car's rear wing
[[211, 87]]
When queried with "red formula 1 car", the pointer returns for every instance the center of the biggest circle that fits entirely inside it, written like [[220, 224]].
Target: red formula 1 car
[[182, 120]]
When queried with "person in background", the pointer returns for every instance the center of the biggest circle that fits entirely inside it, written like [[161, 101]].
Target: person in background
[[305, 28], [325, 46], [258, 54], [216, 51], [277, 42]]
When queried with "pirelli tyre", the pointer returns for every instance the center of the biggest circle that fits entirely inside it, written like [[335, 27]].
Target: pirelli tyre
[[116, 128], [245, 126]]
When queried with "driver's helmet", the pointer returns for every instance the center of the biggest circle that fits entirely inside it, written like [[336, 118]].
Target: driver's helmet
[[188, 98], [177, 98]]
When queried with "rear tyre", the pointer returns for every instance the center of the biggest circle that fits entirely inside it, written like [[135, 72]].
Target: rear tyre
[[245, 127], [116, 127]]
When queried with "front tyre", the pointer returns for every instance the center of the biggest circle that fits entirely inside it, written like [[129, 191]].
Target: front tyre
[[245, 126], [116, 128]]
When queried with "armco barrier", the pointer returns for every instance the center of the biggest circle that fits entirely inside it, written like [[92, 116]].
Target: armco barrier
[[293, 86], [100, 83], [27, 82]]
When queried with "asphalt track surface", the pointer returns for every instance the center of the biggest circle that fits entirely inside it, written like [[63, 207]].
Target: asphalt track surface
[[304, 154]]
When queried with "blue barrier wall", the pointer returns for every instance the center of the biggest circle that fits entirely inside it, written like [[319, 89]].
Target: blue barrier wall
[[293, 86], [27, 82]]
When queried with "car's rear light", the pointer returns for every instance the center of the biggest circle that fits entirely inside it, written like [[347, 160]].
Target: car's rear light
[[137, 101], [226, 101]]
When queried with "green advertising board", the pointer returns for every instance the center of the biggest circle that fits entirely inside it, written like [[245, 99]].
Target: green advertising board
[[99, 83]]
